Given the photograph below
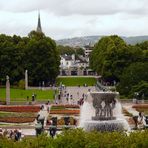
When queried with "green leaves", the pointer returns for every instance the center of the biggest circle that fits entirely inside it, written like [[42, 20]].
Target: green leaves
[[105, 55], [77, 138], [114, 60], [132, 76], [37, 53]]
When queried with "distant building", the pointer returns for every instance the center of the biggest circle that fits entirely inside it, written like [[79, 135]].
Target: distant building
[[71, 65], [87, 50]]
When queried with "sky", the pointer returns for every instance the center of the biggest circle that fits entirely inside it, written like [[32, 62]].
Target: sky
[[73, 18]]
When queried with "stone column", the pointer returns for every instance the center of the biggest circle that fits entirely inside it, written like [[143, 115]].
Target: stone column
[[43, 85], [26, 79], [7, 90]]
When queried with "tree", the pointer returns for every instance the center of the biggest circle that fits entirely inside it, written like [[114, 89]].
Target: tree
[[133, 74], [65, 50], [79, 51], [111, 55], [42, 59], [141, 88], [11, 58], [143, 45], [37, 53]]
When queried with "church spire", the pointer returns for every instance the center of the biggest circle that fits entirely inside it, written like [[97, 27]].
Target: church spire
[[39, 28]]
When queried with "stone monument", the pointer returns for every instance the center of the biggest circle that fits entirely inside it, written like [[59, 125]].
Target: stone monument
[[7, 90], [104, 103], [102, 111], [26, 79]]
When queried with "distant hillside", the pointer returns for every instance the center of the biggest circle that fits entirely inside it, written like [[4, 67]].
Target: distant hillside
[[81, 41]]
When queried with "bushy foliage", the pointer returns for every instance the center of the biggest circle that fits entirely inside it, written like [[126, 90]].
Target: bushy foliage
[[111, 55], [131, 79], [116, 61], [70, 50], [21, 84], [36, 53], [142, 89], [78, 138]]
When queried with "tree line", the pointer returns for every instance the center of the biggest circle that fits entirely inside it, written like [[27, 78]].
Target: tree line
[[124, 64], [36, 53], [68, 50]]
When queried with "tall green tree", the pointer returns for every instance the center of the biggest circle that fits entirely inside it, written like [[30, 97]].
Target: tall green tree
[[42, 59], [11, 55], [111, 55], [132, 75], [37, 53]]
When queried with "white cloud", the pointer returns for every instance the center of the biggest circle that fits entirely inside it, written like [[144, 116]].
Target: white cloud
[[69, 18]]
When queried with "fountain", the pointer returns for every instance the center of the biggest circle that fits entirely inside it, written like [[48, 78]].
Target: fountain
[[101, 111]]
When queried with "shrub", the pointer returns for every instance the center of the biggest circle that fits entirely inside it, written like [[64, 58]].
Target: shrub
[[21, 84], [78, 138]]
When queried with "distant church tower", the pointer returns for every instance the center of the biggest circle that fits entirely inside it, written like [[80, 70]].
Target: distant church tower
[[39, 28]]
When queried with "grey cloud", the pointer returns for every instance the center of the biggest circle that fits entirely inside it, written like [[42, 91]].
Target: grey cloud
[[81, 7], [69, 18]]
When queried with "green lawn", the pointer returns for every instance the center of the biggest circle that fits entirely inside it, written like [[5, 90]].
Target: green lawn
[[21, 94], [75, 81]]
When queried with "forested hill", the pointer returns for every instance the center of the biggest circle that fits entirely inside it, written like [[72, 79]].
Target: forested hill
[[81, 41]]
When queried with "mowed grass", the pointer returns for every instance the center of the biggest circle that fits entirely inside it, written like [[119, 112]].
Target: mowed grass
[[21, 94], [75, 81]]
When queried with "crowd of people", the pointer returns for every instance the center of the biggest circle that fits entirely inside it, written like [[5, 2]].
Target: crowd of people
[[15, 134]]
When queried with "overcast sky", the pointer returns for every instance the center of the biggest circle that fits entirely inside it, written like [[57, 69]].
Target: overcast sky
[[71, 18]]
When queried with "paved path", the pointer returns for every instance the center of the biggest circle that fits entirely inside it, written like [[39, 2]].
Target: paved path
[[75, 94]]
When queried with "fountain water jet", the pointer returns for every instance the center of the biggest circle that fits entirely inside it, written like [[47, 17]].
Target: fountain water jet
[[102, 111]]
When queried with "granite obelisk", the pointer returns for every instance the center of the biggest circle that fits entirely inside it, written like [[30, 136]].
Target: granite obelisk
[[7, 90], [26, 79]]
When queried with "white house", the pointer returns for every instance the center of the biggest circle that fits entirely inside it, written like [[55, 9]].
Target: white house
[[70, 65]]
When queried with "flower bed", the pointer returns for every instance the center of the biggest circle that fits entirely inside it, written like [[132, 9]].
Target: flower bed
[[17, 114], [17, 119], [142, 106], [20, 108], [66, 106], [65, 112]]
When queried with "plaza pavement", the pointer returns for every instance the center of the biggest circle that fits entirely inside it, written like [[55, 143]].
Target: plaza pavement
[[75, 94]]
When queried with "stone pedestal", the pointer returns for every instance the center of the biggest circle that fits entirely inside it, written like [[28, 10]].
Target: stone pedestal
[[7, 90]]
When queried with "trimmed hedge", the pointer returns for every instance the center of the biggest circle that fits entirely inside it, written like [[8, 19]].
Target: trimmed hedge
[[77, 138]]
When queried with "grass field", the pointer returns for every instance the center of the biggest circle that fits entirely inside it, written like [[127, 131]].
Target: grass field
[[21, 94], [75, 81]]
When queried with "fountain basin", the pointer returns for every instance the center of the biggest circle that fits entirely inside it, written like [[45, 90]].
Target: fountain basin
[[107, 125]]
